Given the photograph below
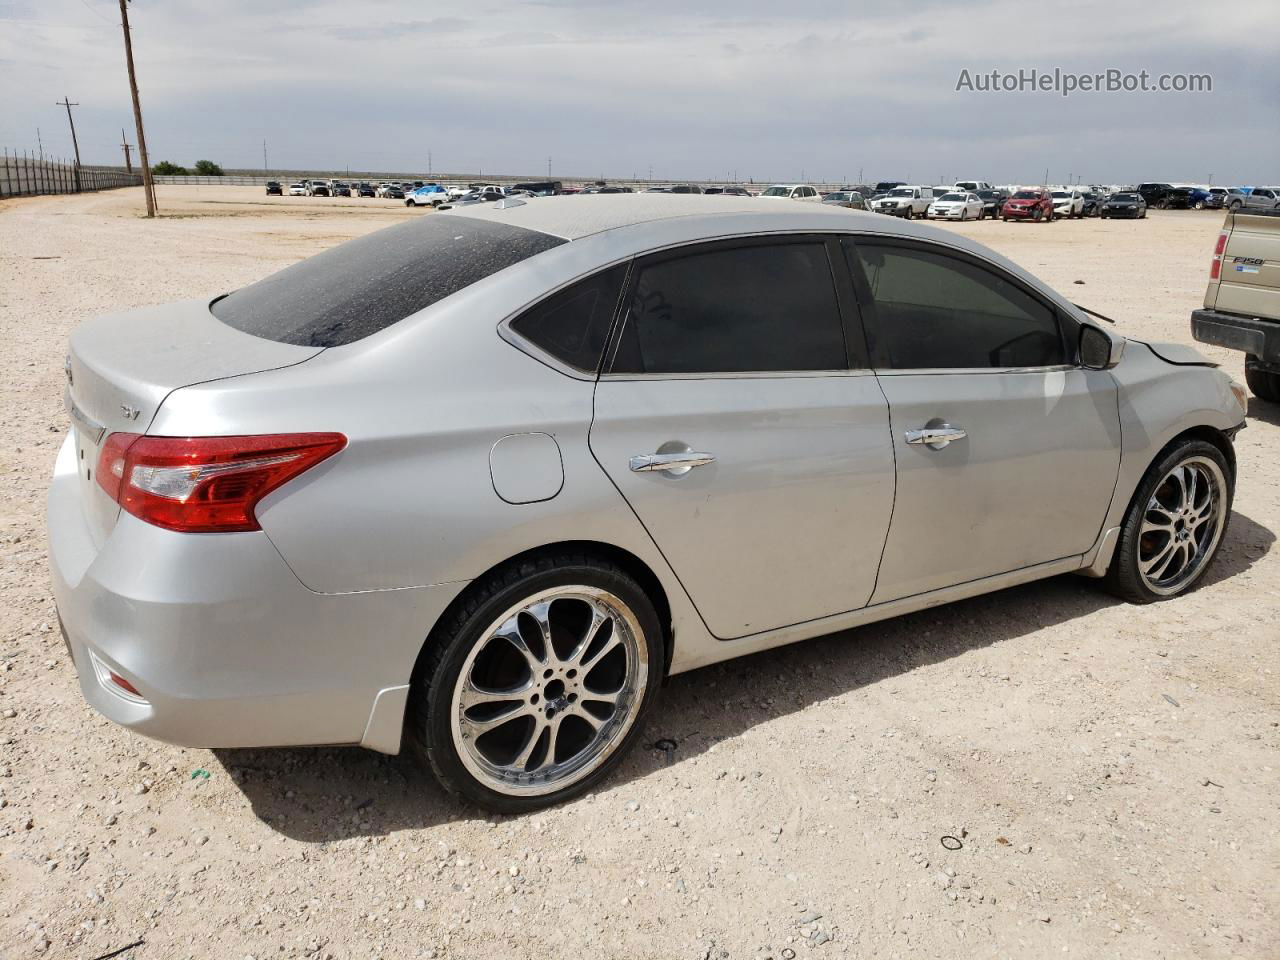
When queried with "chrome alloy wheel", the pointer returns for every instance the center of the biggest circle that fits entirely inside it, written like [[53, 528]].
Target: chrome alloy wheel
[[1182, 525], [549, 690]]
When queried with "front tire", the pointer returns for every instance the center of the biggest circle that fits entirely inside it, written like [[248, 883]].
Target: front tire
[[1175, 524], [535, 688]]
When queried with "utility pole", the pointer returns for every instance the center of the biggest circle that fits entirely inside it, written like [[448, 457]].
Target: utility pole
[[265, 169], [124, 142], [548, 168], [40, 144], [428, 163], [148, 185], [66, 102]]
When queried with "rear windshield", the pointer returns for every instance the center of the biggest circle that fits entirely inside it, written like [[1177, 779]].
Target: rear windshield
[[367, 284]]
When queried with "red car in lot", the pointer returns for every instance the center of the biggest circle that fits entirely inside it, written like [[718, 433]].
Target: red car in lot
[[1028, 205]]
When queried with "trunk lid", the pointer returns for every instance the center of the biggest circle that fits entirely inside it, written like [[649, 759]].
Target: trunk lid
[[1249, 282], [121, 366]]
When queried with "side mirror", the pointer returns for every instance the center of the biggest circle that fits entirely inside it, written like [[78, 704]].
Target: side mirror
[[1098, 350]]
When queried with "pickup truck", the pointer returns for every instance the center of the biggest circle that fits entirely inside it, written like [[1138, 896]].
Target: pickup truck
[[1242, 305], [905, 201], [1259, 198]]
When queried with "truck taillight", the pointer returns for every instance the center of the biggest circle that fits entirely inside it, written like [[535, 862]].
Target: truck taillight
[[1215, 268], [206, 484]]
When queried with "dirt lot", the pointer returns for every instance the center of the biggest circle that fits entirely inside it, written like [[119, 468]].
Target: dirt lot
[[1111, 771]]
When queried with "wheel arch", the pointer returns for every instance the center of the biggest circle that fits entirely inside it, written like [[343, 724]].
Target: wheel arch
[[1105, 555], [1210, 435], [1201, 431], [628, 561]]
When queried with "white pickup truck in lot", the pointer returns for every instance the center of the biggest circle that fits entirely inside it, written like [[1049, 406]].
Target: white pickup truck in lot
[[906, 201], [1242, 305]]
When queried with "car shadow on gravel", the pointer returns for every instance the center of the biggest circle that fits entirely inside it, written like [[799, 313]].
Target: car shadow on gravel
[[1264, 412], [316, 795]]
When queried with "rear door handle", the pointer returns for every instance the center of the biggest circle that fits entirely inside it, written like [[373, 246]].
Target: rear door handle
[[676, 464], [935, 438]]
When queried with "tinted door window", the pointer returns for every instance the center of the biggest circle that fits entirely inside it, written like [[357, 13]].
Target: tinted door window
[[572, 325], [933, 310], [754, 308]]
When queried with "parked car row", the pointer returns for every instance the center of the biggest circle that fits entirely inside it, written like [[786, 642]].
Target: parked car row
[[963, 200]]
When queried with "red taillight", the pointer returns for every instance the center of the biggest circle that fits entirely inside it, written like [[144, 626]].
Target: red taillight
[[1215, 268], [205, 484], [111, 462]]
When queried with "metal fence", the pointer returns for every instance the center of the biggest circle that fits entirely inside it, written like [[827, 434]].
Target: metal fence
[[24, 175], [229, 180]]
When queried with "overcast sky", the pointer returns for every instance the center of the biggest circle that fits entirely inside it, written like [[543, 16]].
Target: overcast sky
[[817, 89]]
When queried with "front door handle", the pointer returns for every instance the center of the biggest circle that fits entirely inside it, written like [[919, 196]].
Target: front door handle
[[675, 464], [935, 438]]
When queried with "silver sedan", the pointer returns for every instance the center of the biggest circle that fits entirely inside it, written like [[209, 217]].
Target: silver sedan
[[475, 484]]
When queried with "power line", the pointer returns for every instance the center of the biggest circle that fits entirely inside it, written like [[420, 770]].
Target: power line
[[96, 13]]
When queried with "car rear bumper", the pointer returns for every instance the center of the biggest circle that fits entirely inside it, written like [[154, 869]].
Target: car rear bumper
[[1235, 332], [223, 644]]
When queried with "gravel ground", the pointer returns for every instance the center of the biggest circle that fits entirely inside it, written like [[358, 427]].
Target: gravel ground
[[1109, 772]]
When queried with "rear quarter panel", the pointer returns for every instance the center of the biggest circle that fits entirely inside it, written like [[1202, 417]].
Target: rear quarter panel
[[411, 500]]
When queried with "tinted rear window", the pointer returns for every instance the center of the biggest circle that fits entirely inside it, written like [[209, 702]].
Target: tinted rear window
[[367, 284]]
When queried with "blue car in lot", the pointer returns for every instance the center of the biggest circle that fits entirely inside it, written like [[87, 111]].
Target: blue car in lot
[[1197, 199], [431, 195]]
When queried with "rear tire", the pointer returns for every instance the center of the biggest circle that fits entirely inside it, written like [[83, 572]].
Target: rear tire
[[1175, 524], [1264, 385], [574, 705]]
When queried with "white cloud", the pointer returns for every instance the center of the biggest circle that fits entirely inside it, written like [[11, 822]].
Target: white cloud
[[696, 89]]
